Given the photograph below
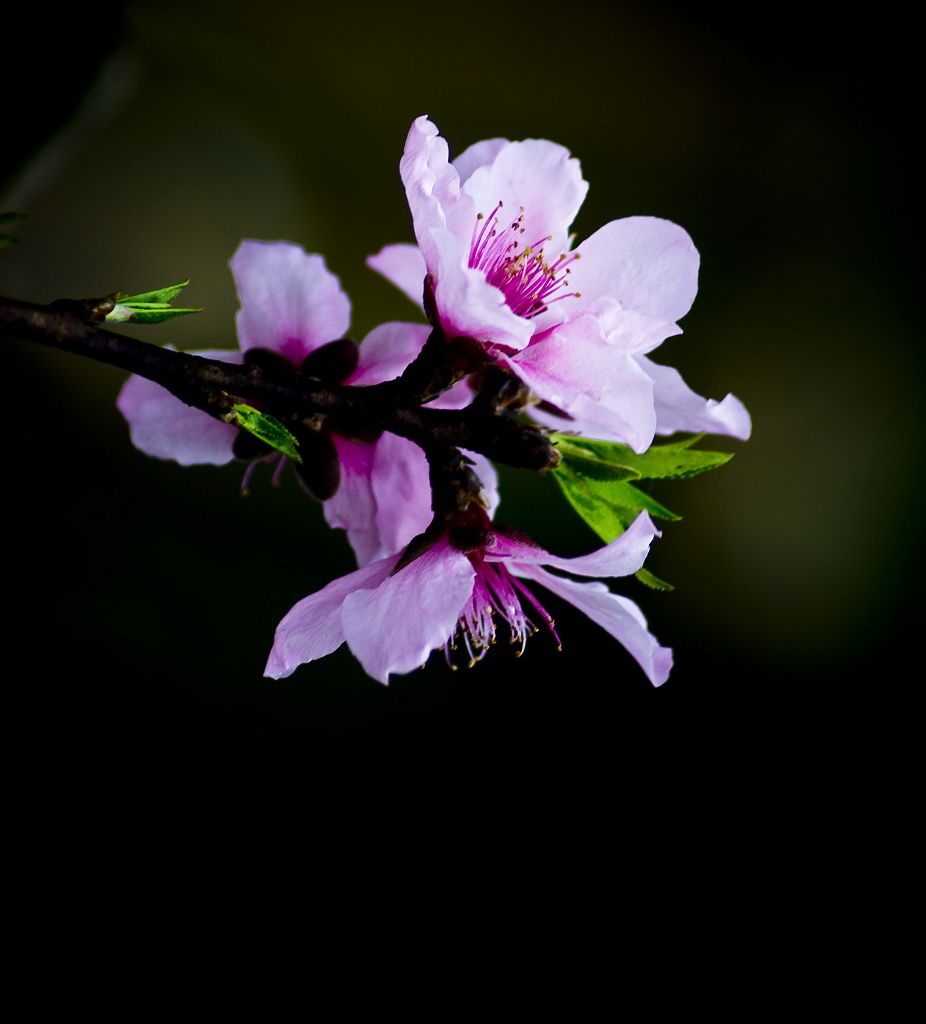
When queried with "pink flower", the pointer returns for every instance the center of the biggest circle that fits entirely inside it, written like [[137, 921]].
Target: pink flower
[[293, 308], [455, 594], [575, 325]]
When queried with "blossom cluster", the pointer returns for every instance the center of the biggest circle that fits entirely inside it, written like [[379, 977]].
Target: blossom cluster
[[504, 290]]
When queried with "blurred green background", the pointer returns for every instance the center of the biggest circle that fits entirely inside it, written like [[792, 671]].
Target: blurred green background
[[146, 594]]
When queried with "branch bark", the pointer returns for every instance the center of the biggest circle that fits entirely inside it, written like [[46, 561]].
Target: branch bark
[[215, 386]]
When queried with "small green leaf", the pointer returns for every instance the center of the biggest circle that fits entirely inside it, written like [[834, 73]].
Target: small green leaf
[[269, 429], [645, 576], [150, 307], [659, 462], [149, 314], [159, 297]]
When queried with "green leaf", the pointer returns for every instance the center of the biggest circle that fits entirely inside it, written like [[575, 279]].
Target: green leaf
[[590, 463], [269, 429], [659, 462], [159, 297], [645, 576], [150, 314], [594, 476], [150, 307], [608, 506]]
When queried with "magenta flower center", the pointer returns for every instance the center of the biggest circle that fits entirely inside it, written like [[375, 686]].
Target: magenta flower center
[[521, 272], [496, 596]]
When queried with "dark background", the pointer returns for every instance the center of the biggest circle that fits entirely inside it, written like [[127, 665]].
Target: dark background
[[143, 596]]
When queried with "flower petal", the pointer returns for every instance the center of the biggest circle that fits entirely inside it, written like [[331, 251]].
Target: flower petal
[[468, 305], [538, 179], [352, 507], [456, 397], [632, 332], [648, 264], [402, 491], [166, 428], [290, 302], [477, 155], [432, 186], [312, 627], [404, 266], [679, 408], [394, 627], [617, 615], [578, 371], [623, 556], [387, 350]]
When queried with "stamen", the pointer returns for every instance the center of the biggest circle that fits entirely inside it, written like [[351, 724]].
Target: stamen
[[252, 465], [278, 472], [246, 479], [527, 281], [495, 592]]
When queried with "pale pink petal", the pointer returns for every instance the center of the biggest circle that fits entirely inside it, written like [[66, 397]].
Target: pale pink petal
[[394, 627], [457, 397], [468, 305], [387, 350], [432, 186], [579, 426], [617, 615], [634, 425], [574, 368], [166, 428], [401, 488], [404, 266], [477, 155], [570, 360], [679, 408], [623, 556], [537, 179], [290, 302], [648, 264], [402, 491], [635, 333], [352, 507], [313, 627]]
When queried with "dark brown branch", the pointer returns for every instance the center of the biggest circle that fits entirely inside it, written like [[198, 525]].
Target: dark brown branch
[[215, 386]]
